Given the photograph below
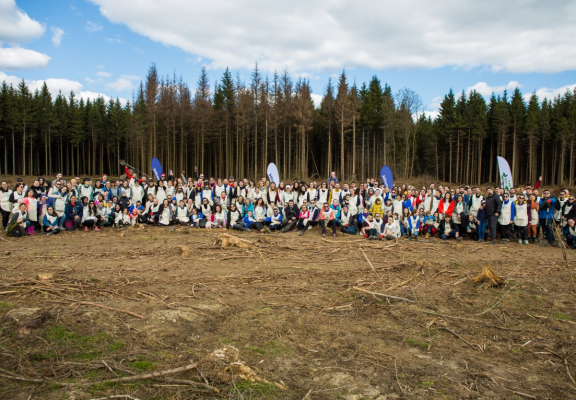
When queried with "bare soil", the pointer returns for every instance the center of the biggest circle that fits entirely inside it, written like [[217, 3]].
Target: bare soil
[[297, 309]]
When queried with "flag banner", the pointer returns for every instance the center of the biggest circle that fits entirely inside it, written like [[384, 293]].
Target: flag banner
[[505, 174], [273, 174], [156, 168], [386, 175]]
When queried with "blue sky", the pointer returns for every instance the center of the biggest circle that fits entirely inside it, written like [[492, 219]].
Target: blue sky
[[106, 46]]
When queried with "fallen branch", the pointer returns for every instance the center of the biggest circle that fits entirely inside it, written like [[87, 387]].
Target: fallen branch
[[89, 303], [468, 319], [117, 396], [459, 337], [381, 294], [143, 376], [498, 302]]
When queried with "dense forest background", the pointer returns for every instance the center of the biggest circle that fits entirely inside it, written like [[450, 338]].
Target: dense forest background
[[236, 127]]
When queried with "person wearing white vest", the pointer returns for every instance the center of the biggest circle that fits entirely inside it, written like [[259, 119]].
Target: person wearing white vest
[[137, 192], [521, 219], [5, 205], [182, 213], [506, 218], [475, 201]]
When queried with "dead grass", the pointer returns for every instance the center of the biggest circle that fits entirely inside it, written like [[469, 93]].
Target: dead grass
[[289, 306]]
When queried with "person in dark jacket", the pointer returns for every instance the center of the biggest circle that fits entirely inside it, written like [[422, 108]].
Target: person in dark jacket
[[73, 211], [449, 229], [546, 208], [493, 208], [291, 213]]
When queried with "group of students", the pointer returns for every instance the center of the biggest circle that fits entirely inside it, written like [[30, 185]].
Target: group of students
[[369, 208]]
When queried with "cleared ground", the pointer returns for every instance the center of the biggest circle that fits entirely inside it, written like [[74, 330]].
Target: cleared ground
[[126, 303]]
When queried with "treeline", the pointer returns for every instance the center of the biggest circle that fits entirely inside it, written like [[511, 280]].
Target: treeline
[[236, 127]]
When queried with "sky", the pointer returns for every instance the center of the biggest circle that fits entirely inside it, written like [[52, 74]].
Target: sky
[[105, 47]]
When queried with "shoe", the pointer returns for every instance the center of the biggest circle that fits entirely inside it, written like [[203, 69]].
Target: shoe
[[309, 227], [97, 229], [525, 242], [301, 232], [323, 235], [459, 239], [519, 241], [85, 229], [268, 230], [415, 238], [333, 235], [427, 235], [493, 242]]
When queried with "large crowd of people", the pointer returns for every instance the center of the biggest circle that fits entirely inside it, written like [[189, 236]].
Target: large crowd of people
[[523, 215]]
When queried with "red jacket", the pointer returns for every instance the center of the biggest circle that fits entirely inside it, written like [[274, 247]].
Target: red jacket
[[448, 210]]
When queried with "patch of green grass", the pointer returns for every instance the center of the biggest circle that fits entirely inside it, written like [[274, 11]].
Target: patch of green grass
[[417, 343], [270, 348], [142, 365], [5, 305], [428, 384], [95, 280], [115, 346], [251, 390], [517, 351], [49, 355], [59, 333], [561, 315]]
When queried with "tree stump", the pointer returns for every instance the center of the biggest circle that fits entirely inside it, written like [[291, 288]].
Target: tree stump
[[226, 240], [489, 276]]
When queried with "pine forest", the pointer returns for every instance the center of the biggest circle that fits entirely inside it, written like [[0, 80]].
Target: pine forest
[[236, 127]]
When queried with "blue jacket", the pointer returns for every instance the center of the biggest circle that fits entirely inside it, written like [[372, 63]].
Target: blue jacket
[[246, 208], [72, 211], [546, 209], [45, 222]]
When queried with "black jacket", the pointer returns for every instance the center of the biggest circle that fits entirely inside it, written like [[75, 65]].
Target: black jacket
[[493, 205], [291, 212], [444, 228]]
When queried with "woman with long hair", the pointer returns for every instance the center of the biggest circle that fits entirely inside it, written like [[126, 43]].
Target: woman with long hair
[[303, 219], [165, 213], [50, 221], [217, 219], [31, 205], [90, 216]]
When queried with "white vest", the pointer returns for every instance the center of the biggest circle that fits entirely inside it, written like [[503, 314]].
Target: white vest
[[521, 214], [182, 214], [475, 204], [4, 200], [506, 213], [32, 209]]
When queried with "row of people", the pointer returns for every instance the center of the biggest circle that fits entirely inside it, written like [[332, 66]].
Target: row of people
[[224, 203]]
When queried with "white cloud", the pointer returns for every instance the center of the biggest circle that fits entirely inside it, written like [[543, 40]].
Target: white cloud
[[56, 85], [104, 74], [15, 25], [92, 27], [19, 58], [114, 40], [120, 85], [57, 34], [548, 93], [317, 99], [139, 50], [329, 34], [486, 90]]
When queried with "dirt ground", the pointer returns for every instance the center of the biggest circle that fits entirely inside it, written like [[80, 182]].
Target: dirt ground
[[79, 309]]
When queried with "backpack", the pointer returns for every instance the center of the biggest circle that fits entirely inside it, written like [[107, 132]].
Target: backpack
[[351, 230], [15, 230]]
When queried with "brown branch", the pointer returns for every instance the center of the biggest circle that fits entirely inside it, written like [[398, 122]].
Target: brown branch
[[381, 294], [89, 303], [143, 376], [459, 337]]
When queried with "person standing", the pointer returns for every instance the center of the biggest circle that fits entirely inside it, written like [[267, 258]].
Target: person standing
[[493, 209], [546, 214]]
